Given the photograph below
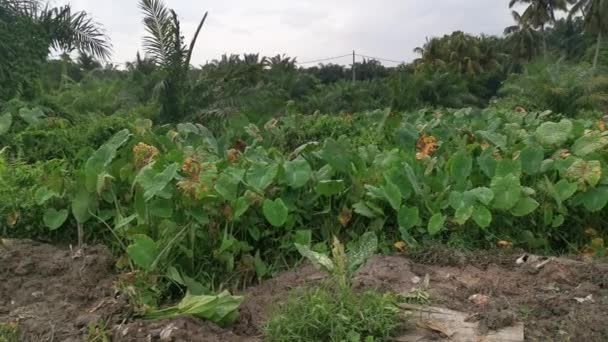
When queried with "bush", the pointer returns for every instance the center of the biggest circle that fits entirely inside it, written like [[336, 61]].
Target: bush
[[334, 313]]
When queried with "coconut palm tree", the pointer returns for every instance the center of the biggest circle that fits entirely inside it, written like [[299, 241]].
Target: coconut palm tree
[[522, 38], [541, 13], [595, 13], [65, 29], [164, 44]]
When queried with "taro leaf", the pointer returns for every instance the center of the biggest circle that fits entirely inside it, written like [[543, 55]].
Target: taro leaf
[[276, 212], [531, 159], [365, 248], [54, 219], [487, 163], [507, 191], [43, 194], [240, 207], [406, 136], [565, 189], [408, 217], [143, 251], [588, 171], [508, 167], [160, 207], [483, 194], [303, 237], [153, 183], [362, 209], [260, 175], [297, 172], [6, 120], [392, 194], [80, 205], [525, 206], [101, 158], [317, 259], [594, 199], [495, 138], [436, 223], [330, 187], [589, 143], [336, 154], [305, 148], [482, 216], [461, 165], [553, 134], [463, 214], [227, 187], [32, 116], [558, 221]]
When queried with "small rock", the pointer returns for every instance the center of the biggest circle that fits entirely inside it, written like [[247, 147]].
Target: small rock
[[165, 334], [479, 299], [588, 299], [37, 294], [416, 280]]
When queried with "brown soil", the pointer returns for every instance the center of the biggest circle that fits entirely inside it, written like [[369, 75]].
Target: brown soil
[[53, 295]]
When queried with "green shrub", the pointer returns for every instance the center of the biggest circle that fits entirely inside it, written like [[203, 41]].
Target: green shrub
[[334, 313], [9, 332]]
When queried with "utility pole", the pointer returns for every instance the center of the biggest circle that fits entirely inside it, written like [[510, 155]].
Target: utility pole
[[353, 68]]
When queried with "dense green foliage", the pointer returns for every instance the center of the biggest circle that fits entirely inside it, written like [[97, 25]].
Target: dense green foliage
[[221, 173]]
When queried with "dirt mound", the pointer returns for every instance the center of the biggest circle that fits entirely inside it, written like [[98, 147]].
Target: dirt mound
[[53, 294]]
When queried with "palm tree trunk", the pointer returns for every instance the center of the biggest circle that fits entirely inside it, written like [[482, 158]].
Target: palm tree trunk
[[597, 49], [542, 32]]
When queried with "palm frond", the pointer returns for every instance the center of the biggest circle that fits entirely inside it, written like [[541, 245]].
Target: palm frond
[[159, 25]]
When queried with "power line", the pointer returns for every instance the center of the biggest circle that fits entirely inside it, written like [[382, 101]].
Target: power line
[[324, 59], [381, 59]]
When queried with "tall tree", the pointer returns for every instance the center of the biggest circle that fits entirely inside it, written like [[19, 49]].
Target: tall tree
[[30, 29], [522, 38], [165, 45], [595, 13], [541, 13]]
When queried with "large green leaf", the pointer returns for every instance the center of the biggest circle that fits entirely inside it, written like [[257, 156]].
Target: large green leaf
[[261, 175], [408, 217], [143, 251], [43, 194], [392, 194], [463, 214], [362, 209], [80, 205], [365, 248], [461, 165], [240, 207], [554, 133], [483, 194], [589, 143], [54, 219], [565, 189], [330, 187], [317, 259], [497, 139], [6, 120], [297, 172], [276, 212], [227, 187], [507, 167], [154, 183], [101, 158], [594, 199], [486, 162], [525, 206], [336, 153], [507, 191], [436, 223], [482, 216], [531, 159], [585, 171], [32, 116]]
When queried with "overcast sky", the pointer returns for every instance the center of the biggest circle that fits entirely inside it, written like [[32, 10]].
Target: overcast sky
[[306, 29]]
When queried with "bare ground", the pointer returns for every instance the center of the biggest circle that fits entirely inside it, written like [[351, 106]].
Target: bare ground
[[53, 294]]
